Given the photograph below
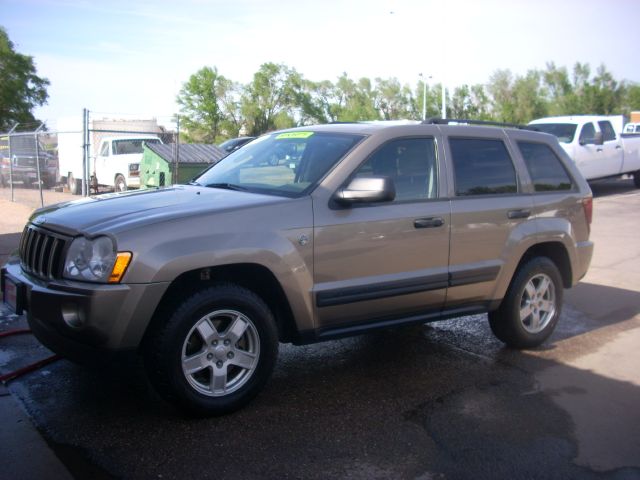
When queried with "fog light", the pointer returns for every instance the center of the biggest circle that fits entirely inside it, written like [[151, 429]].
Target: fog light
[[72, 316]]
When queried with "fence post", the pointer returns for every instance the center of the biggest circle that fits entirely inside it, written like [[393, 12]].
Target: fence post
[[35, 135], [85, 160], [11, 160], [175, 178]]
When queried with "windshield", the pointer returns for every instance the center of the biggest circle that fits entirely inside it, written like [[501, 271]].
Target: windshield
[[286, 163], [564, 131], [132, 145]]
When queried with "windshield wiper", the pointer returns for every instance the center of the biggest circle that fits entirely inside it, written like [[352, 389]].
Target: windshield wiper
[[193, 182], [227, 186]]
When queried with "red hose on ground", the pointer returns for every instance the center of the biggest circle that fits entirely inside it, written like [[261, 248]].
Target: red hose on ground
[[29, 368]]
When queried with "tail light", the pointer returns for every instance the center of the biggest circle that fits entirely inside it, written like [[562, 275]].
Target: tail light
[[587, 205]]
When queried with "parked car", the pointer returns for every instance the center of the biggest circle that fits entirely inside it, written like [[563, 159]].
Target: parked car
[[632, 128], [118, 161], [20, 162], [595, 146], [234, 143], [374, 226]]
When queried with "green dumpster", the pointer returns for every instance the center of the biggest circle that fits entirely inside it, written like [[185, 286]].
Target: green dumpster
[[158, 162]]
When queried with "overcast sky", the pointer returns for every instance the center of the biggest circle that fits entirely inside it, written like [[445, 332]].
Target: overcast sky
[[131, 57]]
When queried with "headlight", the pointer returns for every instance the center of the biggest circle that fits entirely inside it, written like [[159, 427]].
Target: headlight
[[95, 260]]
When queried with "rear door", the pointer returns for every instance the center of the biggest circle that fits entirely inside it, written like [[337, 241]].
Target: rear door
[[385, 260], [490, 215], [612, 149]]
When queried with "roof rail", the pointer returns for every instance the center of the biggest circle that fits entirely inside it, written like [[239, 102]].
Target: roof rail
[[447, 121]]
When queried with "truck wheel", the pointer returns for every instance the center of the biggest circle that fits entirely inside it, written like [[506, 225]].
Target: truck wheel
[[636, 179], [530, 310], [75, 187], [120, 184], [215, 352]]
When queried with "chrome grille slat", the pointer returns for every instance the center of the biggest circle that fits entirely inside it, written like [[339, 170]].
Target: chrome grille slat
[[41, 252]]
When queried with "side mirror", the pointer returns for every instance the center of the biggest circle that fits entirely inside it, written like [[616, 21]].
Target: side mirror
[[366, 190]]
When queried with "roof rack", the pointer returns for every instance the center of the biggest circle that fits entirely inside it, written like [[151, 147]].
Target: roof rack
[[447, 121]]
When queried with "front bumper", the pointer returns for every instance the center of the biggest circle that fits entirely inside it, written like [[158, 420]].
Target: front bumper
[[82, 320]]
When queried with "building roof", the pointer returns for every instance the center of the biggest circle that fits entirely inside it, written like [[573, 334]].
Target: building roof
[[189, 152]]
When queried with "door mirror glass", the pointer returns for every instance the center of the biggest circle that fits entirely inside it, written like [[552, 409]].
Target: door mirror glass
[[366, 190]]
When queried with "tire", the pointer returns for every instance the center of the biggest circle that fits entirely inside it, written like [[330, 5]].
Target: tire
[[75, 186], [191, 362], [120, 184], [636, 179], [531, 308]]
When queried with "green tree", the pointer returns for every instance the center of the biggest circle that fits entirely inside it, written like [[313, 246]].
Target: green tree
[[469, 102], [270, 101], [394, 99], [519, 99], [631, 101], [356, 101], [21, 90], [201, 99]]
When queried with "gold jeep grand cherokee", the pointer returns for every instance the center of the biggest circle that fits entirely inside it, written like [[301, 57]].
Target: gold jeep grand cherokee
[[307, 235]]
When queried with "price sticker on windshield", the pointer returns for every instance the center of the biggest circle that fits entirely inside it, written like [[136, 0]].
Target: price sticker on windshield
[[286, 135]]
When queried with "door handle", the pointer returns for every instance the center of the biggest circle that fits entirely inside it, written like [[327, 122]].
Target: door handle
[[598, 149], [513, 214], [618, 147], [431, 222]]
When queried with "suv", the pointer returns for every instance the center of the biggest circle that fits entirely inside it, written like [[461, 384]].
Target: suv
[[357, 227], [20, 157]]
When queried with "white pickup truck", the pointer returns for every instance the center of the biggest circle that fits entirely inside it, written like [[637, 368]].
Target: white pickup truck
[[117, 164], [594, 145]]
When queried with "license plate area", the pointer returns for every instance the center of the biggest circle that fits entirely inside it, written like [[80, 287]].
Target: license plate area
[[13, 294]]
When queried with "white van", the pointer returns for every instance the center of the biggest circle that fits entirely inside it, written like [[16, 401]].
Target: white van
[[117, 164]]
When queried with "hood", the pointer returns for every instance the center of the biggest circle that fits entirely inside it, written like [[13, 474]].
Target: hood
[[121, 211]]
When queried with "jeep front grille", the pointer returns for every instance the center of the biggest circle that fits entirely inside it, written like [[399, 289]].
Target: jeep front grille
[[41, 252]]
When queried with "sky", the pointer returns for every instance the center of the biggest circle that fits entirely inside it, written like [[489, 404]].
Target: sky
[[132, 57]]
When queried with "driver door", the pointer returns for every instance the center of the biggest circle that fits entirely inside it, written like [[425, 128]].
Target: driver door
[[385, 260]]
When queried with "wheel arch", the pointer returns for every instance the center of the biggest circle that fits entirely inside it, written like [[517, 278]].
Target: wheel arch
[[557, 253], [254, 277]]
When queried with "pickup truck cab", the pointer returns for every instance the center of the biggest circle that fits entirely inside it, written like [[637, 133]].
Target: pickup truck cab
[[307, 235], [117, 164], [594, 145]]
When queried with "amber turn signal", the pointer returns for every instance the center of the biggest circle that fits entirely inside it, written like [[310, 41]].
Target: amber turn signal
[[122, 262]]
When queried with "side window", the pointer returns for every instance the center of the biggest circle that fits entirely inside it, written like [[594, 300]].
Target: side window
[[587, 133], [545, 167], [482, 167], [410, 163], [104, 152], [608, 133]]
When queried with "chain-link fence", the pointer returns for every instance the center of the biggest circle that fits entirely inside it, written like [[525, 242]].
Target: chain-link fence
[[82, 155]]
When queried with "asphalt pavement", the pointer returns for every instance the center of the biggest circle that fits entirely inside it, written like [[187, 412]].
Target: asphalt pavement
[[439, 401]]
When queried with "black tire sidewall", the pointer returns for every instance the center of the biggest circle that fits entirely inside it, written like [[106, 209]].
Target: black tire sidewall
[[170, 341], [120, 180], [514, 333]]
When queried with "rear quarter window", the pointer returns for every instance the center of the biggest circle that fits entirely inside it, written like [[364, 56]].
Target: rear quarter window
[[482, 167], [545, 168]]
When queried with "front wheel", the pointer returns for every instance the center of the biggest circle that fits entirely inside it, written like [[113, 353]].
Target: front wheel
[[215, 352], [530, 310], [636, 179]]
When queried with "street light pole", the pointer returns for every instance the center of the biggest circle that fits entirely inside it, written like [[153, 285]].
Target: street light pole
[[424, 98], [444, 101]]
